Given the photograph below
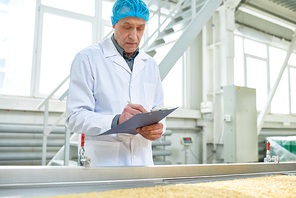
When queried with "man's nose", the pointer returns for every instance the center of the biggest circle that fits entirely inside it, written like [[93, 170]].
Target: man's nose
[[133, 34]]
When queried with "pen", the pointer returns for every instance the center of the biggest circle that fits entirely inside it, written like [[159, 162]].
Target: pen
[[129, 102]]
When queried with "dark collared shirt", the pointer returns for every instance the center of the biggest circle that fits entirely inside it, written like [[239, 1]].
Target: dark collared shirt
[[128, 60], [130, 63]]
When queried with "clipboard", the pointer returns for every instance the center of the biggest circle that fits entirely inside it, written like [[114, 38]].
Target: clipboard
[[139, 120]]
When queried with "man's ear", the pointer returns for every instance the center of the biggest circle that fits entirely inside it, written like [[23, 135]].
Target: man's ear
[[114, 26]]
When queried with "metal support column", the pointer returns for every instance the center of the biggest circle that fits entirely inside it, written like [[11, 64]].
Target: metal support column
[[67, 147], [45, 128], [186, 154]]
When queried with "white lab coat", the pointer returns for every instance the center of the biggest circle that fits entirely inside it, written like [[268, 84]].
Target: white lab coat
[[101, 83]]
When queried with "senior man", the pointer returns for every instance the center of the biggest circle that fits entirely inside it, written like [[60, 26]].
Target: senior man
[[103, 78]]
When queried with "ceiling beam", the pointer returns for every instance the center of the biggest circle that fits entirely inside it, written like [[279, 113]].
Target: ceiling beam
[[268, 17]]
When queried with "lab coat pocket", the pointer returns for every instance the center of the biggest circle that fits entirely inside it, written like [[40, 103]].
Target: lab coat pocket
[[102, 153], [149, 89]]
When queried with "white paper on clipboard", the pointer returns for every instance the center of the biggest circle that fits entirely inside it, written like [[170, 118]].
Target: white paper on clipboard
[[139, 120]]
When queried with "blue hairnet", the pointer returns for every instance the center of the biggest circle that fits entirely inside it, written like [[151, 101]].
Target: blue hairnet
[[129, 8]]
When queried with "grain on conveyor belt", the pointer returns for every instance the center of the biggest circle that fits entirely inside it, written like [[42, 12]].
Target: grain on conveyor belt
[[269, 186]]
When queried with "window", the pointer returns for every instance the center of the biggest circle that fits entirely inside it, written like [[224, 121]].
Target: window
[[250, 68], [293, 89], [16, 40], [173, 85], [106, 12], [239, 77], [254, 48], [62, 39], [280, 101], [107, 31], [256, 78], [261, 64], [292, 60], [292, 65], [86, 7], [68, 26]]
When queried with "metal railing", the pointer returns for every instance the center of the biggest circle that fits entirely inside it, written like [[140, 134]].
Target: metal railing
[[46, 129]]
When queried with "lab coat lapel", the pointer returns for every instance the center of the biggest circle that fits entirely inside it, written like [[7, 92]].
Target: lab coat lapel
[[119, 60], [139, 63], [110, 50]]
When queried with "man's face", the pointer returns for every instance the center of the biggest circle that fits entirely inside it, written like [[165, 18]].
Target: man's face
[[128, 33]]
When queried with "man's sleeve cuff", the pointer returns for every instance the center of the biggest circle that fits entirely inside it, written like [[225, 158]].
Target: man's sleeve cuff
[[115, 121]]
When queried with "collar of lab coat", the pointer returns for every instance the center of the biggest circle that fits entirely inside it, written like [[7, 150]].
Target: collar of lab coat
[[111, 51]]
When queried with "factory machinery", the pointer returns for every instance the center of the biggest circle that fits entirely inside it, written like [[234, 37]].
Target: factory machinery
[[42, 181]]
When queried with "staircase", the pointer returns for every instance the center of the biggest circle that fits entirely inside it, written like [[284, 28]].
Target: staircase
[[182, 25], [176, 26]]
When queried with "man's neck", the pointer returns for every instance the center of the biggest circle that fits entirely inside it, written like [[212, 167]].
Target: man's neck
[[121, 51]]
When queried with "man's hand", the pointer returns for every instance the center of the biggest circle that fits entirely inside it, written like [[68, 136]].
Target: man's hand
[[129, 111], [151, 132]]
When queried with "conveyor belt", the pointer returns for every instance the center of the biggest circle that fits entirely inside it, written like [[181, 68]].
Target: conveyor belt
[[50, 181]]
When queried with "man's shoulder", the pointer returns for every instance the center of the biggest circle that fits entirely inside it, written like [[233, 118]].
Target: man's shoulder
[[146, 56], [95, 48]]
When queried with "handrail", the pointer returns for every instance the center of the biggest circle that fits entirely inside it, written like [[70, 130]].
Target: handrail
[[46, 130], [53, 92], [64, 95]]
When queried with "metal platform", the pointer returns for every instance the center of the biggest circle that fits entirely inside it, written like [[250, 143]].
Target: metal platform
[[50, 181]]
